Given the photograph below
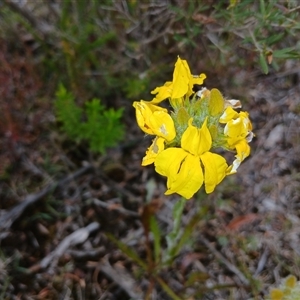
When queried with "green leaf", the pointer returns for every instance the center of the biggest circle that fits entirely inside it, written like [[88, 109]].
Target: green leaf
[[196, 277], [67, 112], [173, 236], [263, 63], [186, 234], [262, 7], [102, 128], [128, 251], [286, 53], [213, 129], [157, 238], [182, 116], [167, 289]]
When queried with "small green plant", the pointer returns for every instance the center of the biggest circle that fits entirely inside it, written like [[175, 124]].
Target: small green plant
[[99, 126]]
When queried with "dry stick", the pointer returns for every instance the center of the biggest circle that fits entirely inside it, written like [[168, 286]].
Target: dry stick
[[120, 209], [262, 262], [122, 278], [12, 215], [228, 264], [77, 237]]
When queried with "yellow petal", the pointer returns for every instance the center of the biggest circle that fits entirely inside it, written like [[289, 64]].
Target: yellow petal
[[154, 120], [236, 129], [243, 151], [181, 78], [245, 117], [276, 294], [290, 281], [238, 126], [228, 115], [185, 176], [156, 147], [196, 140], [197, 79], [181, 85], [214, 170], [163, 92], [162, 125], [168, 162]]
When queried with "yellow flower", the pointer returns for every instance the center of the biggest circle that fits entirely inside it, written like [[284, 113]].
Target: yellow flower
[[182, 166], [154, 120], [182, 84], [238, 126], [276, 294], [156, 147], [289, 289], [238, 133], [243, 151]]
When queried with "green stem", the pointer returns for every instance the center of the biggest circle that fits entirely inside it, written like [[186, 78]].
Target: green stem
[[167, 289]]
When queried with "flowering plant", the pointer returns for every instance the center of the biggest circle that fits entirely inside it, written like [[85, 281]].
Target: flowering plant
[[289, 289], [186, 137]]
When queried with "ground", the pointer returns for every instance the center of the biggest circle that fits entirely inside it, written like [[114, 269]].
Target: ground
[[78, 225]]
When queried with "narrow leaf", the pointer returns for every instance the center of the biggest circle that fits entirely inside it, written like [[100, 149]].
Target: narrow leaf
[[167, 289], [128, 251], [263, 63], [157, 238]]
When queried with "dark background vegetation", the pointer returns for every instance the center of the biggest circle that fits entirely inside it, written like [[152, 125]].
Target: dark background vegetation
[[78, 224]]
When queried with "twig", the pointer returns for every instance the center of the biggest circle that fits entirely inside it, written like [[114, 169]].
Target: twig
[[87, 254], [262, 262], [30, 166], [123, 279], [8, 218], [228, 264], [120, 209], [77, 237]]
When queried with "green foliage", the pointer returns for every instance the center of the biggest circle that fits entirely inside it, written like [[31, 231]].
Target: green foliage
[[101, 128], [128, 251], [68, 113], [154, 228], [135, 87], [173, 237], [262, 28]]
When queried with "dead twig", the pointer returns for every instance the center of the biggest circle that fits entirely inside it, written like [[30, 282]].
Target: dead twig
[[122, 278], [120, 209], [8, 218], [262, 262], [227, 263], [77, 237], [87, 254]]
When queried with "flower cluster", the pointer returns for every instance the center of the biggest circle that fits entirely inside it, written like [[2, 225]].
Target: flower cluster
[[182, 149], [289, 289]]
